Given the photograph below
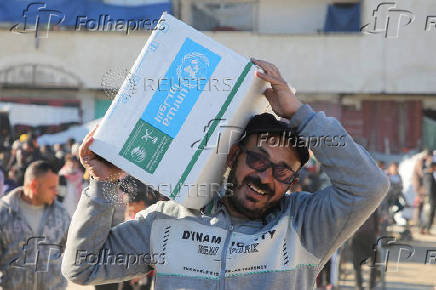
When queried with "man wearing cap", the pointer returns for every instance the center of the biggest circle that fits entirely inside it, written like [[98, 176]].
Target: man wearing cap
[[256, 234]]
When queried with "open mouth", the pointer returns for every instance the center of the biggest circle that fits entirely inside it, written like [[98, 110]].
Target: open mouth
[[256, 189]]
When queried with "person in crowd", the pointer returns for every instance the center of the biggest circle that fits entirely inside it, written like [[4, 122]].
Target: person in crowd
[[140, 196], [11, 182], [33, 232], [5, 155], [74, 179], [417, 181], [363, 242], [395, 192], [75, 149], [2, 180], [27, 154], [69, 145], [13, 156], [254, 234], [59, 154], [311, 181], [47, 155], [429, 184]]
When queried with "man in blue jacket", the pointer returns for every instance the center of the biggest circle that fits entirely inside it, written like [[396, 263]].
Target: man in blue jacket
[[256, 235]]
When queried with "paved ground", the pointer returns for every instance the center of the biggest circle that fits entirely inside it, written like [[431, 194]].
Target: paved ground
[[415, 272], [409, 273]]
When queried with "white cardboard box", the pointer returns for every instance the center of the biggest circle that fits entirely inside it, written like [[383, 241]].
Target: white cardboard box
[[186, 100]]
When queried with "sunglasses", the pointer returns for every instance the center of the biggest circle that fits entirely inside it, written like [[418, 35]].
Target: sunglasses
[[260, 163]]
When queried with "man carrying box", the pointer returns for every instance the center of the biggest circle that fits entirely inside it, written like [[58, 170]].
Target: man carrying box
[[254, 235]]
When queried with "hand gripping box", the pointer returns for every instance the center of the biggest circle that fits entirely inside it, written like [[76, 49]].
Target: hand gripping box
[[186, 100]]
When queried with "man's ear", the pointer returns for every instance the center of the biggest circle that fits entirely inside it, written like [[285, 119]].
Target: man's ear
[[33, 185], [293, 184], [232, 155]]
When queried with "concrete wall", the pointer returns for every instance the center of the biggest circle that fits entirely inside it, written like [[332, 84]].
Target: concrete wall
[[328, 63], [312, 63], [291, 16]]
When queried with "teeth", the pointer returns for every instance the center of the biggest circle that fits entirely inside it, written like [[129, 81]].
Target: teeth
[[257, 190]]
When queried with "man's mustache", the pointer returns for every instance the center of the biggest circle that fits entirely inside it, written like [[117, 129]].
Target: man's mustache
[[258, 183]]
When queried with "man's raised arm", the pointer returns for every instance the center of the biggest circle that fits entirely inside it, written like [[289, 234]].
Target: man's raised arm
[[324, 220], [95, 252], [328, 217]]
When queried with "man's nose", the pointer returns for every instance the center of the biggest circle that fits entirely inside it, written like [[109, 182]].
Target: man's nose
[[266, 176]]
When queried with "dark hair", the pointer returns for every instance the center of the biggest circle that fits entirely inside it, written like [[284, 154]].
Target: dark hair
[[267, 123], [70, 141], [380, 163], [37, 169], [429, 163], [71, 158], [138, 191]]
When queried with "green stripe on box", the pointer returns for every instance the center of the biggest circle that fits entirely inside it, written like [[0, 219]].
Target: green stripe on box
[[212, 128], [146, 146]]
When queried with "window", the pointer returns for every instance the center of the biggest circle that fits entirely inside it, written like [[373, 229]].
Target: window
[[228, 16], [343, 17]]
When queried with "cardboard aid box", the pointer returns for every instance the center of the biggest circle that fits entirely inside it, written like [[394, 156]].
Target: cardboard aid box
[[186, 100]]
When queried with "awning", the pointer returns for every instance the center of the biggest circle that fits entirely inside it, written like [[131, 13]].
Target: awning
[[75, 132], [36, 115]]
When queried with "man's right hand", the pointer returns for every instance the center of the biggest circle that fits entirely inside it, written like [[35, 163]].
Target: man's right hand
[[98, 168]]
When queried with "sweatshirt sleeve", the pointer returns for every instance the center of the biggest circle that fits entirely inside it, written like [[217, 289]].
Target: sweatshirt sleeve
[[96, 253], [328, 217]]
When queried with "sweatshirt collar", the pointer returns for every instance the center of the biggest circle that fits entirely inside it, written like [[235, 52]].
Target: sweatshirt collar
[[216, 205]]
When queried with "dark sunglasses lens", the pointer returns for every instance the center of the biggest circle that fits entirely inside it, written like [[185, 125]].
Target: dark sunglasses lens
[[260, 163], [283, 174], [256, 161]]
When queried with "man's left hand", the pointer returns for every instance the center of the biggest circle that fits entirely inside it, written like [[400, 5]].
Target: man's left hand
[[280, 96]]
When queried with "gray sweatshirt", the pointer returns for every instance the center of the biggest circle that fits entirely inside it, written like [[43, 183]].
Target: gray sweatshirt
[[30, 260], [207, 249]]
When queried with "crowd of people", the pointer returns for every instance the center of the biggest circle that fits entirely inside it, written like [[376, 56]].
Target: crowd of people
[[363, 241], [27, 172], [16, 157]]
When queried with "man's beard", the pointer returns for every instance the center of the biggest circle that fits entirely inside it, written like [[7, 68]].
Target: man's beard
[[237, 203]]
